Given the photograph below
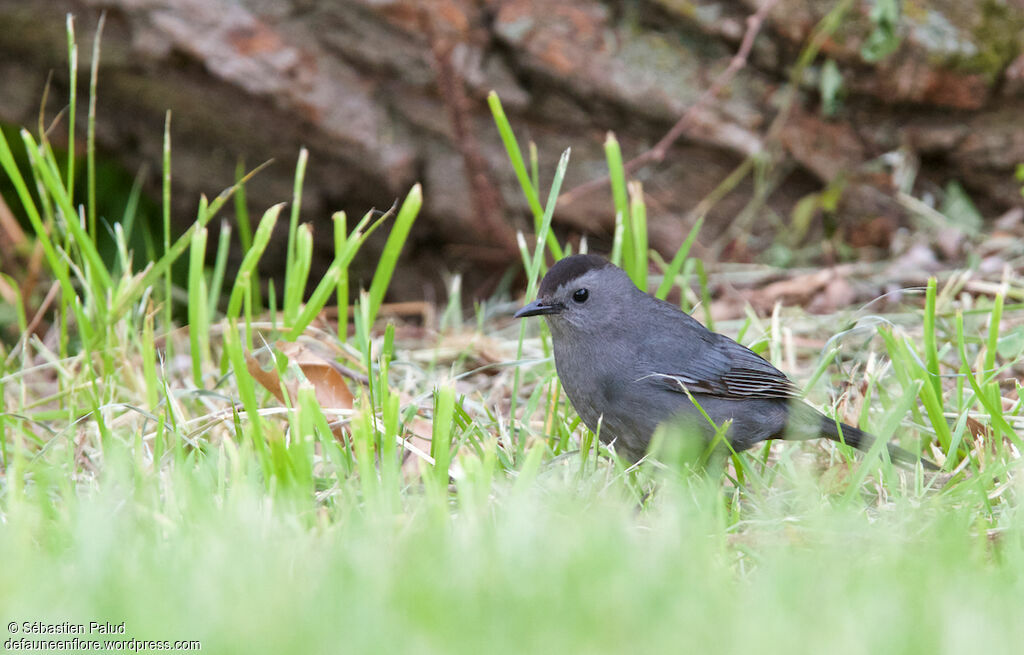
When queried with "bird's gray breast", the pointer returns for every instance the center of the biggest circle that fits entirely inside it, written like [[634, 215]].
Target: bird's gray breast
[[586, 380], [605, 386]]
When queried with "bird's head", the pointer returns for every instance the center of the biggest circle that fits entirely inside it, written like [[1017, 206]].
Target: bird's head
[[584, 295]]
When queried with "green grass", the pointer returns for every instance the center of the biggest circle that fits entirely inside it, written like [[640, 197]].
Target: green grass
[[184, 500]]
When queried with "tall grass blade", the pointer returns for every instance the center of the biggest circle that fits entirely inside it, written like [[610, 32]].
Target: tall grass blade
[[392, 248], [676, 265], [515, 155]]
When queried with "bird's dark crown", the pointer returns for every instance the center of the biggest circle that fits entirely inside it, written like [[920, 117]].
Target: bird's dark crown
[[567, 270]]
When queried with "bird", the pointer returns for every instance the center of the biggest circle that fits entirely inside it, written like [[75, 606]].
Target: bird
[[630, 362]]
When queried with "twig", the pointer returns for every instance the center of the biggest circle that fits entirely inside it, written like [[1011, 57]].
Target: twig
[[656, 154]]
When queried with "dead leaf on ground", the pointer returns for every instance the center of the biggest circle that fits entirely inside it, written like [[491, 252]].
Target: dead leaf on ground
[[329, 380], [420, 433], [978, 429], [797, 290], [326, 376], [835, 295]]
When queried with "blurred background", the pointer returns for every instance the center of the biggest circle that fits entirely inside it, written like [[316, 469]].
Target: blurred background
[[846, 132]]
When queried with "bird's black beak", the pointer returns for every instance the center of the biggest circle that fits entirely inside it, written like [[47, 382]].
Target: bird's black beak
[[539, 307]]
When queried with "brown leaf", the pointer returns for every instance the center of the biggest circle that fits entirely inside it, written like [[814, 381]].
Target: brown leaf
[[326, 376], [796, 290], [268, 378], [836, 294], [877, 232], [978, 429], [421, 432]]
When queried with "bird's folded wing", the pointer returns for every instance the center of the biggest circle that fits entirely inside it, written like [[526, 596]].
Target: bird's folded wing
[[729, 370]]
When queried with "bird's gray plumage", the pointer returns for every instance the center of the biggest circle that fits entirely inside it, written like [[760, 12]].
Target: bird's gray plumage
[[630, 362]]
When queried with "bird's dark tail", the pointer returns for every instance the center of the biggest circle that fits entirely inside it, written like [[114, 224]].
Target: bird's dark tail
[[862, 441]]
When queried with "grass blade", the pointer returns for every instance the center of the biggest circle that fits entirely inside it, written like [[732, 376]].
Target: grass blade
[[392, 248], [676, 265], [515, 156]]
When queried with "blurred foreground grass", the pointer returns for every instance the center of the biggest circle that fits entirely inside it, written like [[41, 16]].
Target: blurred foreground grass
[[561, 567]]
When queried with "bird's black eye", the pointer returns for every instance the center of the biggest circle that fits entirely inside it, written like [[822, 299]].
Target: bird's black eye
[[580, 295]]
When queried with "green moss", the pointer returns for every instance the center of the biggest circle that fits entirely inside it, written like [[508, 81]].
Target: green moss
[[683, 8], [999, 37]]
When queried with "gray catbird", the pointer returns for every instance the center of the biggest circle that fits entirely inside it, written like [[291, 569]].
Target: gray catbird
[[630, 362]]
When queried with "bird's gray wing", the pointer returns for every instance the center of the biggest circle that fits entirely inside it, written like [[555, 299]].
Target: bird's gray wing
[[725, 369]]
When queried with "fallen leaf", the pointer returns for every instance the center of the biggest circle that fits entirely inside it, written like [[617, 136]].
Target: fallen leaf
[[420, 431], [796, 290], [836, 294], [979, 430], [326, 375]]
